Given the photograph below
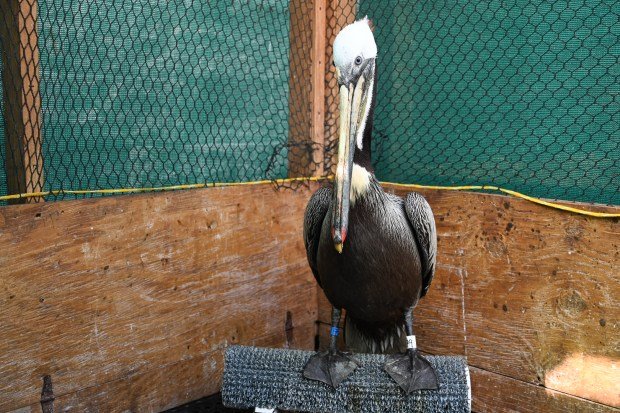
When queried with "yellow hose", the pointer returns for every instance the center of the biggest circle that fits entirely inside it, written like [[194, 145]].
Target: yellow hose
[[515, 194], [288, 180]]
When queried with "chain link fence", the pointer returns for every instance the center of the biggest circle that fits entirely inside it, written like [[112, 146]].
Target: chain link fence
[[523, 95]]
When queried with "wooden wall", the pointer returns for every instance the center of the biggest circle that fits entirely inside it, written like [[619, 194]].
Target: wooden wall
[[531, 296], [128, 302], [306, 91], [23, 160]]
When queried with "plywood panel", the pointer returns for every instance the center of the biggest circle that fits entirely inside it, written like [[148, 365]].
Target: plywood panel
[[494, 393], [541, 287], [168, 386], [95, 291]]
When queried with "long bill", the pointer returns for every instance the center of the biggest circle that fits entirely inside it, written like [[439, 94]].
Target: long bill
[[353, 99]]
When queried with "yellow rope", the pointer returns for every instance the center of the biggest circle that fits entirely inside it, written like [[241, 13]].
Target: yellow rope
[[515, 194], [287, 180], [57, 192]]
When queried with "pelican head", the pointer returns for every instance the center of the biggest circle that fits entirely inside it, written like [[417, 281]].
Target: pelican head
[[355, 52]]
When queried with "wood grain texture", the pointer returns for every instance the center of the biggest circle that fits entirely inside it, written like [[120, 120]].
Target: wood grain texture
[[525, 291], [22, 98], [318, 89], [102, 290], [305, 144], [539, 285], [151, 390], [494, 393]]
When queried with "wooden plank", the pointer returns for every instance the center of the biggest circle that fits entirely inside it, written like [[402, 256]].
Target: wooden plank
[[96, 290], [541, 287], [22, 98], [526, 292], [494, 393], [318, 89], [306, 99], [150, 390], [339, 14]]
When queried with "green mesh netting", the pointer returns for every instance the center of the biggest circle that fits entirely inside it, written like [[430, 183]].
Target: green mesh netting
[[142, 94], [163, 92], [522, 95]]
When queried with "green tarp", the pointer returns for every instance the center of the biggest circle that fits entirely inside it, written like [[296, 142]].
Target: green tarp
[[522, 94]]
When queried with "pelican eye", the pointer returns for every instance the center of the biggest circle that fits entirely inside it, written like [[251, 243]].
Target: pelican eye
[[358, 60]]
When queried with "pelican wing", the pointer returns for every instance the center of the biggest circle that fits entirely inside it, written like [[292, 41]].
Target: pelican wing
[[313, 222], [422, 222]]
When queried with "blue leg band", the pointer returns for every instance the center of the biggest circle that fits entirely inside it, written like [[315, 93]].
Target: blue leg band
[[334, 332]]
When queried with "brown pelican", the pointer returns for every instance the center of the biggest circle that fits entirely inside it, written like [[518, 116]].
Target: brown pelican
[[373, 253]]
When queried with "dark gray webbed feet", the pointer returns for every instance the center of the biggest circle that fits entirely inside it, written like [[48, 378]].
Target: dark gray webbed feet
[[411, 371], [330, 367]]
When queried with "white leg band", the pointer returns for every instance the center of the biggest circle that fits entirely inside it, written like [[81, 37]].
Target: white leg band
[[264, 410], [411, 342]]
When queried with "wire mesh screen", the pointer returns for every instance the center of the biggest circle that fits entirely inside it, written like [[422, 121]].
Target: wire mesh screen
[[523, 95], [162, 93], [158, 93]]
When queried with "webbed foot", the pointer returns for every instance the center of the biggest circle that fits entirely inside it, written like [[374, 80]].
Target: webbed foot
[[411, 371], [330, 367]]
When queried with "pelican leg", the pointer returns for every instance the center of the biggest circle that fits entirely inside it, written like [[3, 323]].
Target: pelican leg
[[332, 366], [410, 370]]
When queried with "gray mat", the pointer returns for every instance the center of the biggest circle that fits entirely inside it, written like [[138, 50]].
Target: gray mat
[[273, 378]]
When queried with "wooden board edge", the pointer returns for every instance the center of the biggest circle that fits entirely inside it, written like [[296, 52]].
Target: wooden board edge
[[21, 80], [594, 207], [153, 389], [496, 393]]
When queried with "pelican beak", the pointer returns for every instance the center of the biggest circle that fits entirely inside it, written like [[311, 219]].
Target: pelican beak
[[354, 105]]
